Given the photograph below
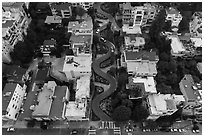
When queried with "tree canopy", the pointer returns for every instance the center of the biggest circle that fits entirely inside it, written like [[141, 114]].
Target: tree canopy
[[121, 113]]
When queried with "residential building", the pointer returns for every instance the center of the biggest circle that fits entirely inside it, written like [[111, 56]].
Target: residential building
[[85, 5], [47, 47], [174, 16], [177, 48], [149, 84], [195, 26], [41, 76], [131, 29], [78, 109], [52, 100], [53, 20], [12, 100], [14, 26], [134, 42], [132, 60], [138, 15], [161, 105], [77, 66], [190, 91], [199, 67], [62, 9]]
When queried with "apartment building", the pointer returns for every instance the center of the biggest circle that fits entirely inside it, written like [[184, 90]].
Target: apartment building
[[82, 35], [134, 42], [195, 26], [51, 102], [161, 105], [191, 91], [14, 25], [140, 63], [12, 100], [78, 109], [174, 16], [138, 15], [85, 5], [48, 46], [77, 66], [62, 9]]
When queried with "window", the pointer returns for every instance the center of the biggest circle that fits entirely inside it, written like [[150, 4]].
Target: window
[[16, 115], [139, 12], [138, 18], [13, 106]]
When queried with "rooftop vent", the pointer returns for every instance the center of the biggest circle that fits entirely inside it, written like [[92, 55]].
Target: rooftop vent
[[185, 86]]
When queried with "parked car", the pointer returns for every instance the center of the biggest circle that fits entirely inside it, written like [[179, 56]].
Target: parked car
[[74, 132], [10, 129]]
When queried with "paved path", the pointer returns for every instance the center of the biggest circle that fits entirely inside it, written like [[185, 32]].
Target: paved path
[[96, 67]]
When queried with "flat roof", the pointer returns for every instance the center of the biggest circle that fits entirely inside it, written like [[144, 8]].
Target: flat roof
[[42, 74], [172, 10], [80, 39], [141, 55], [199, 67], [134, 40], [76, 25], [83, 87], [176, 44], [75, 110], [31, 99], [145, 68], [189, 92], [197, 42], [135, 29], [149, 83], [161, 104], [53, 19], [58, 104], [13, 4], [7, 94], [8, 23], [60, 6], [78, 63], [45, 102]]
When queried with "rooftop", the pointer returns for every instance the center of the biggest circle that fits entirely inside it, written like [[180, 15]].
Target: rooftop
[[8, 23], [75, 110], [141, 55], [135, 29], [172, 10], [78, 63], [199, 67], [134, 40], [57, 108], [83, 87], [80, 39], [161, 104], [60, 6], [176, 44], [7, 94], [77, 26], [190, 91], [13, 4], [49, 42], [42, 74], [44, 102], [197, 42], [53, 19], [149, 83], [134, 93], [144, 68]]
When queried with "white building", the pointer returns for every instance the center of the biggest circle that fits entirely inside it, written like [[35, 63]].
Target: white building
[[149, 84], [174, 16], [12, 100], [134, 42], [195, 26], [161, 105], [85, 5], [77, 110], [62, 9], [177, 48], [14, 25], [77, 66]]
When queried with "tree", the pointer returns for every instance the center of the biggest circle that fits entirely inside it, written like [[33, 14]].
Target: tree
[[80, 11], [164, 56], [121, 113], [172, 79], [160, 78], [163, 66], [172, 66], [163, 88], [127, 102], [183, 25], [140, 113]]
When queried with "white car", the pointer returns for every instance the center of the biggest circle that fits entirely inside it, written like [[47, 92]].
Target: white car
[[97, 31], [103, 39], [10, 129]]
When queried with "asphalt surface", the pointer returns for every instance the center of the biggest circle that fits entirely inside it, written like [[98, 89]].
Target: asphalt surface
[[112, 81]]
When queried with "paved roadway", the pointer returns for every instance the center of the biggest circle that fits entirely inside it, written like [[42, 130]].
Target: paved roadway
[[96, 67]]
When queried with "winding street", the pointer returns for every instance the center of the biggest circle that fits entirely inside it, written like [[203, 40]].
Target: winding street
[[96, 67]]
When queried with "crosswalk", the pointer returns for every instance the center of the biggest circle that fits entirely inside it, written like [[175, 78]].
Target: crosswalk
[[107, 125], [92, 132], [117, 131]]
